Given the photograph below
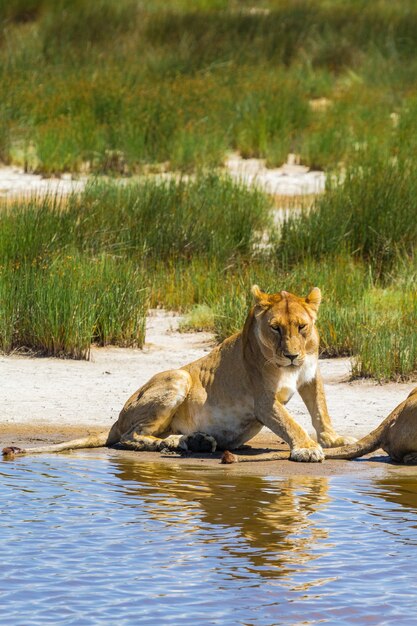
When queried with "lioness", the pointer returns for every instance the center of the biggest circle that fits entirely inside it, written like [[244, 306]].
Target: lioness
[[396, 434], [223, 399]]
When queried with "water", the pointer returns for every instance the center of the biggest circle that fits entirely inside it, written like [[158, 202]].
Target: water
[[106, 539]]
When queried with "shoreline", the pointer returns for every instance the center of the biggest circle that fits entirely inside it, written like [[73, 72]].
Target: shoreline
[[375, 465]]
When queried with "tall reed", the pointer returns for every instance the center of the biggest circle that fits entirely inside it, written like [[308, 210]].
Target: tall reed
[[371, 215], [60, 308], [79, 270]]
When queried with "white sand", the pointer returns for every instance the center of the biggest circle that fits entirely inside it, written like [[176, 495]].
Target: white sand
[[288, 180], [71, 393], [15, 182]]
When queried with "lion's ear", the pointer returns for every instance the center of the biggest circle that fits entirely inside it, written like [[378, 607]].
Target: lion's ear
[[261, 298], [313, 299]]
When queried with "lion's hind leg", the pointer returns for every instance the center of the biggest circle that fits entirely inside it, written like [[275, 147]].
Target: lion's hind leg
[[145, 420], [135, 441]]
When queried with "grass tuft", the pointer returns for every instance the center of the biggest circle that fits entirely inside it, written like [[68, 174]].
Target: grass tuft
[[199, 318]]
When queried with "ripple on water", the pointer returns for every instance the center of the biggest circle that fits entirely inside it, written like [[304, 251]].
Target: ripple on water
[[104, 539]]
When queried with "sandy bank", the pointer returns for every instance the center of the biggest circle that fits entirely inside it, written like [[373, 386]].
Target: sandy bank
[[288, 180]]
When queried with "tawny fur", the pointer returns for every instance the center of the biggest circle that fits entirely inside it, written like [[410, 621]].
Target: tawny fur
[[223, 399], [397, 435]]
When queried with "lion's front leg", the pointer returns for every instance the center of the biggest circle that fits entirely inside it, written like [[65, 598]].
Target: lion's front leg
[[313, 395], [275, 416]]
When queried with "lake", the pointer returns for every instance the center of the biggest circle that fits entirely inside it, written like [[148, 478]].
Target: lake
[[89, 538]]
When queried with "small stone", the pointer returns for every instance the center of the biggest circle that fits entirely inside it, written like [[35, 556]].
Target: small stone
[[228, 458]]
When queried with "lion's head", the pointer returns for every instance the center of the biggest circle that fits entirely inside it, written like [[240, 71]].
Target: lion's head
[[285, 325]]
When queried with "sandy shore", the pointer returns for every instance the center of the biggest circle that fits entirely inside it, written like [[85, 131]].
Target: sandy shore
[[15, 182], [288, 180], [48, 400]]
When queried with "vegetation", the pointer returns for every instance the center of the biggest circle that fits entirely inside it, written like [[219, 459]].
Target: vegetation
[[142, 87], [83, 269], [60, 305], [118, 86], [199, 318]]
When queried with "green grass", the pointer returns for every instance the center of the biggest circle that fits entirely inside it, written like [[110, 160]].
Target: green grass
[[153, 219], [370, 219], [83, 269], [386, 350], [60, 307], [114, 86], [371, 216], [199, 318]]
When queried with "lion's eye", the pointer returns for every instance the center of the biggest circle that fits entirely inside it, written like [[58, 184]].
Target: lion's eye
[[276, 329], [302, 326]]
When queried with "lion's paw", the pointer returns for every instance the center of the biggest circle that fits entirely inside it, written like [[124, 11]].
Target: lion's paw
[[334, 440], [199, 442], [307, 455]]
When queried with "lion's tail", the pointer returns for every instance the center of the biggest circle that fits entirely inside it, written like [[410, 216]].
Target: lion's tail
[[100, 440], [367, 444], [364, 446], [228, 457]]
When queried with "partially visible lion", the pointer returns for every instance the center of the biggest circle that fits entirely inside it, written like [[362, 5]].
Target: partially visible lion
[[397, 435], [223, 399]]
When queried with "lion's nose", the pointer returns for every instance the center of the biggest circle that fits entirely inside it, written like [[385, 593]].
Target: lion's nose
[[291, 357]]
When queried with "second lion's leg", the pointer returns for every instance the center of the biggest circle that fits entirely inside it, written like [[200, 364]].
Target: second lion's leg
[[145, 420]]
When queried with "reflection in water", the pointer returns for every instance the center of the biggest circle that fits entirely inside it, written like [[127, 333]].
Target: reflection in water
[[401, 491], [272, 517], [100, 538]]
